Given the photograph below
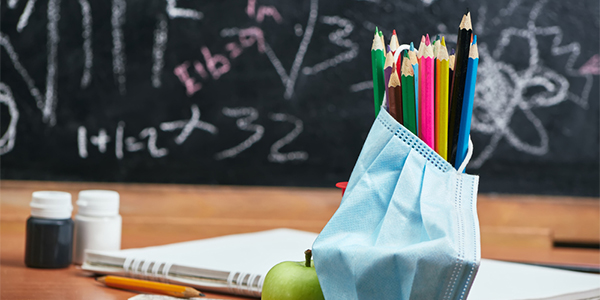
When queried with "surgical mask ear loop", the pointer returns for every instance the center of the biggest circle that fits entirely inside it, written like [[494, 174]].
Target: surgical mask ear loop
[[463, 166]]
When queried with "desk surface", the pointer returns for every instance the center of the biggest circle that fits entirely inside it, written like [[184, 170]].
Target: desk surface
[[513, 228]]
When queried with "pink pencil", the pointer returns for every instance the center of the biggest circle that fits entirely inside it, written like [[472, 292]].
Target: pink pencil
[[426, 105]]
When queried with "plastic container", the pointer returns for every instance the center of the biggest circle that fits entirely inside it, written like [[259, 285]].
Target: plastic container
[[97, 223], [49, 236]]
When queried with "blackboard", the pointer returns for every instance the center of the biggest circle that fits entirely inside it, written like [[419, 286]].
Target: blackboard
[[257, 92]]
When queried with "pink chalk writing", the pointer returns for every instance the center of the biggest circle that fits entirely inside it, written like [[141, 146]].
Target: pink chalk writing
[[191, 86], [234, 50], [251, 7], [200, 69], [213, 61], [592, 66], [249, 36], [268, 11]]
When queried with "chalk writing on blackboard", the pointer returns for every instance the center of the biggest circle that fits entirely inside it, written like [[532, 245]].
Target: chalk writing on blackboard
[[245, 115], [118, 52], [178, 12], [24, 19], [187, 126], [275, 155], [339, 38], [501, 90], [244, 119], [86, 21], [7, 141], [158, 50]]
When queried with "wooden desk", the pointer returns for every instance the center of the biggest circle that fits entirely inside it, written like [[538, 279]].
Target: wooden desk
[[513, 228]]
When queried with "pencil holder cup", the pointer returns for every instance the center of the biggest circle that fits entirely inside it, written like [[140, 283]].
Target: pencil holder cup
[[407, 225]]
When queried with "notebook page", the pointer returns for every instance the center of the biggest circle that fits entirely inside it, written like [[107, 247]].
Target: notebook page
[[253, 253], [498, 280]]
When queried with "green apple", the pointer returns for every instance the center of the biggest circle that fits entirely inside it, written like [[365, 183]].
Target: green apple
[[293, 280]]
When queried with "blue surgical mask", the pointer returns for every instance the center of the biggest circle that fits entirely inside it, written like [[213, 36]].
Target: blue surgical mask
[[407, 226]]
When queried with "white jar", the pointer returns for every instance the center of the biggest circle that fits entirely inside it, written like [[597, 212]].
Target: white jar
[[97, 223]]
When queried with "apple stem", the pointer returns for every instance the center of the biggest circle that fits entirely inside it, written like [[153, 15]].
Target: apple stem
[[308, 256]]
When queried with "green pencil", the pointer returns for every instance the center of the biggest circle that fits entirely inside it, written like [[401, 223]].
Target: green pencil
[[377, 62], [408, 95]]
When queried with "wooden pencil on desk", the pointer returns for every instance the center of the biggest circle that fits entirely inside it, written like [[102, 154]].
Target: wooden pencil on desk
[[149, 286], [377, 61], [395, 96], [467, 108], [441, 100], [408, 95], [458, 84], [414, 61], [426, 96]]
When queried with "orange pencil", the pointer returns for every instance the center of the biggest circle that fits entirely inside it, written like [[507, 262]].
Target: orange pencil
[[149, 286]]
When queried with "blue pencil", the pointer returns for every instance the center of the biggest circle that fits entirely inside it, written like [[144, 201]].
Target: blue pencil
[[415, 64], [467, 108]]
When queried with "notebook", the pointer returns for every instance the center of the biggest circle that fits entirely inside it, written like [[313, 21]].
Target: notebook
[[237, 264], [234, 264]]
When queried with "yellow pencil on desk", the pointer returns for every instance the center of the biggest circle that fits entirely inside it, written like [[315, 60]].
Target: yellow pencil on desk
[[149, 286]]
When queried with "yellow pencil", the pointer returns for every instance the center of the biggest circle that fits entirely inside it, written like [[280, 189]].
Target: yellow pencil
[[441, 108], [149, 286]]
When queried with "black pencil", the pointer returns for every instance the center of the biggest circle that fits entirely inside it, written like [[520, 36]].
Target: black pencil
[[458, 84]]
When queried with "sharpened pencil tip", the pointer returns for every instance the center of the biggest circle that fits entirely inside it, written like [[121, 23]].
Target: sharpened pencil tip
[[394, 32], [427, 40], [443, 41], [423, 39], [412, 46], [474, 39]]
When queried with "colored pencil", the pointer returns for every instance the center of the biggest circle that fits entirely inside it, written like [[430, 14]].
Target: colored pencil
[[421, 48], [382, 40], [394, 42], [418, 75], [451, 60], [458, 84], [377, 61], [408, 94], [387, 72], [426, 104], [441, 100], [414, 61], [467, 109], [395, 96], [149, 286], [436, 46]]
